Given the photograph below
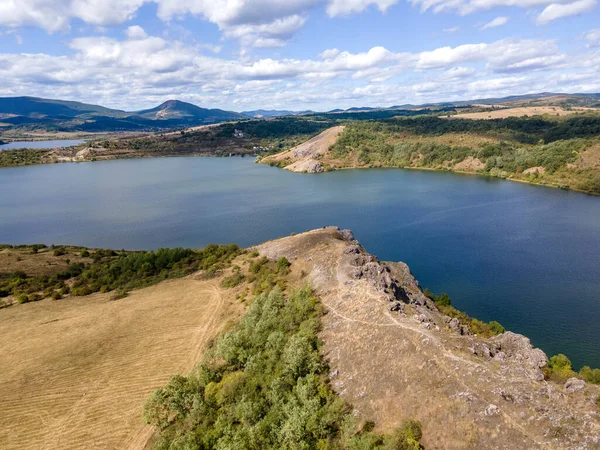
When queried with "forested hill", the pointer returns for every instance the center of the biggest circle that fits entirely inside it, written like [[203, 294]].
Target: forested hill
[[60, 115]]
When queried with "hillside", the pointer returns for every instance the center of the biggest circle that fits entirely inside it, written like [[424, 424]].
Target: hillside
[[393, 355], [270, 113], [369, 351], [552, 150], [59, 115]]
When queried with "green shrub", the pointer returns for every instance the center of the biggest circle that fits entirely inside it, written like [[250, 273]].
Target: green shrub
[[478, 327], [60, 251], [559, 369], [37, 247], [590, 375], [234, 280], [119, 294], [23, 298], [85, 254], [283, 265]]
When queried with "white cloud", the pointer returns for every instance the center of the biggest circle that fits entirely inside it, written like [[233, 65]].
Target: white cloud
[[261, 23], [593, 38], [558, 11], [497, 22], [446, 56], [139, 70], [135, 32], [451, 30], [464, 7], [345, 7]]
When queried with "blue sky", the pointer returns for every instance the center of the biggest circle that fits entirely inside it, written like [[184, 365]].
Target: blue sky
[[296, 54]]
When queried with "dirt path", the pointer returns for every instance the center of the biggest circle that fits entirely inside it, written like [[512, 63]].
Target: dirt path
[[77, 372]]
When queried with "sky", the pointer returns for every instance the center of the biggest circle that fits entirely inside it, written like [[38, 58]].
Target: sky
[[296, 54]]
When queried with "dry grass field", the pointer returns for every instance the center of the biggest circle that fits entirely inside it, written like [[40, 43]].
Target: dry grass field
[[76, 372], [521, 111]]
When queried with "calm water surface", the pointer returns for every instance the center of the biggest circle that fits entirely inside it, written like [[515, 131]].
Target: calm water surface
[[40, 144], [526, 256]]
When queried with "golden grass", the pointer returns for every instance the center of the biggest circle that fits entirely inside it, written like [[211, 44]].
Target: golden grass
[[76, 372]]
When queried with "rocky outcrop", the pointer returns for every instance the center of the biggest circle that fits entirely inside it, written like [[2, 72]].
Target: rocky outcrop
[[305, 166], [574, 384], [395, 356]]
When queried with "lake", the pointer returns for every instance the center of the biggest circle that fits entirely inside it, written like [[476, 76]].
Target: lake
[[526, 256], [41, 144]]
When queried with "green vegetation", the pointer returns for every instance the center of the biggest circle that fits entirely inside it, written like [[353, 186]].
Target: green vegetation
[[478, 327], [136, 270], [559, 369], [21, 157], [505, 147], [264, 385], [121, 273]]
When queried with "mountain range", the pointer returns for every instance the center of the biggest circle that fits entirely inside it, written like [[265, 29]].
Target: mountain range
[[63, 115]]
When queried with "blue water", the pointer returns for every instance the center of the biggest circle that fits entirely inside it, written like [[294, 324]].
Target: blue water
[[40, 144], [524, 255]]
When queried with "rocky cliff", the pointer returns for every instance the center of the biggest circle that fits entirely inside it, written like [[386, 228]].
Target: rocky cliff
[[395, 356]]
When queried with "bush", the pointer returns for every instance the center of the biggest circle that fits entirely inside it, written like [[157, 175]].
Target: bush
[[283, 265], [60, 251], [85, 254], [37, 247], [22, 298], [559, 369], [119, 294], [478, 327], [590, 375], [234, 280]]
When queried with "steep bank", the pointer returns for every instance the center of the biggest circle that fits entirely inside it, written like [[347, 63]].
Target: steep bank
[[307, 157], [394, 356]]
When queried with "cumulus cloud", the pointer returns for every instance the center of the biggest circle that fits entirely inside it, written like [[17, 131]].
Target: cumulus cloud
[[553, 8], [593, 38], [344, 7], [558, 11], [137, 70], [497, 22]]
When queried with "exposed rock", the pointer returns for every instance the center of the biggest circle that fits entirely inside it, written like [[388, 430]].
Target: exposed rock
[[347, 235], [541, 170], [454, 324], [492, 410], [305, 166], [574, 384], [482, 350], [518, 347], [397, 307]]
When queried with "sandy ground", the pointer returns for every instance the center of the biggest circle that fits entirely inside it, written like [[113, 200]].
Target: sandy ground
[[76, 372], [519, 112]]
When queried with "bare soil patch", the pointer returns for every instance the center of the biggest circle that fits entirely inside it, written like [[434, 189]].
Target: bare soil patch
[[303, 156]]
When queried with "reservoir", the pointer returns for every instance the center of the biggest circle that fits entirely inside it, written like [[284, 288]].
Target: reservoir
[[526, 256], [41, 144]]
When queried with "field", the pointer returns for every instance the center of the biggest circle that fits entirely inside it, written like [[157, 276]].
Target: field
[[76, 372], [521, 111]]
